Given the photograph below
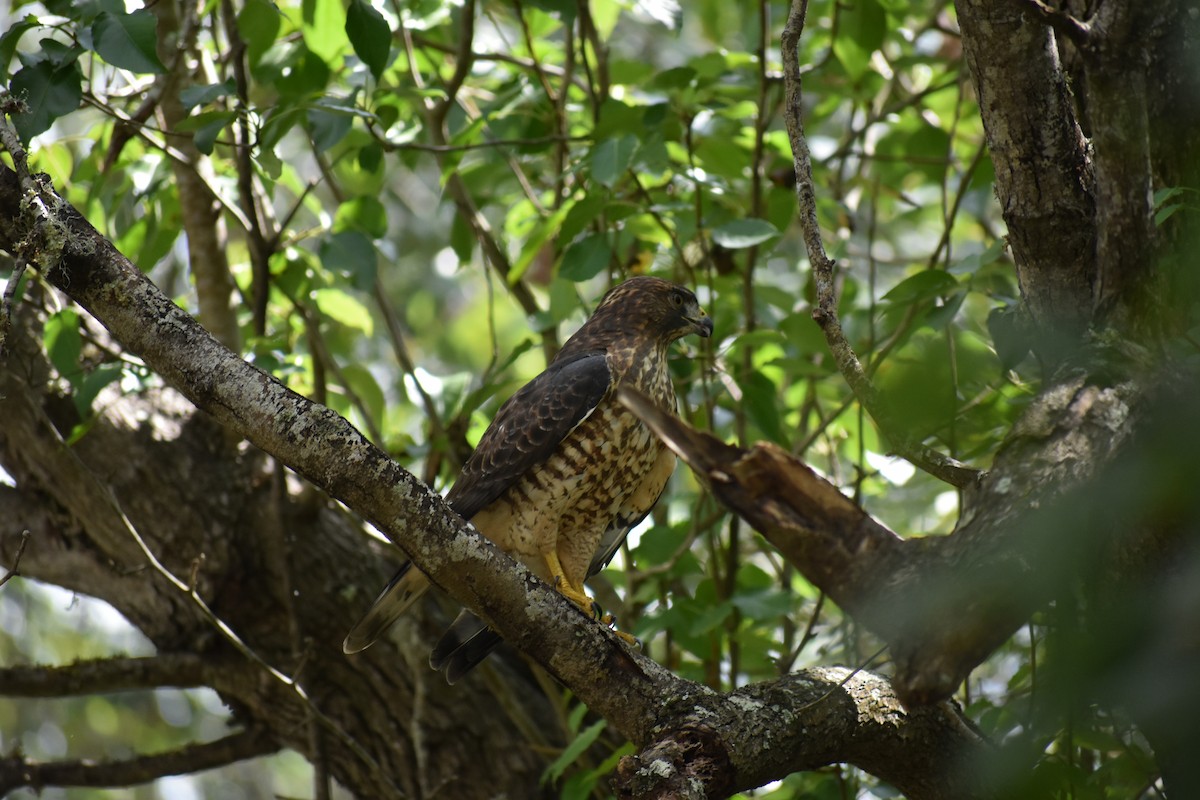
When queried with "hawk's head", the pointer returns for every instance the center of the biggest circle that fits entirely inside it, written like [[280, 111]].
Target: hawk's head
[[659, 308]]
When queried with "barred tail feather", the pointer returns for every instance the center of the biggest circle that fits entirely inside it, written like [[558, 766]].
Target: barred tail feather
[[464, 645], [401, 592]]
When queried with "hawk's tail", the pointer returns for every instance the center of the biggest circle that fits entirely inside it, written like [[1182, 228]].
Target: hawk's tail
[[401, 592], [464, 644]]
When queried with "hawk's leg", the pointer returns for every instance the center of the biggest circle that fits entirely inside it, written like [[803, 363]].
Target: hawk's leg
[[575, 594], [579, 597]]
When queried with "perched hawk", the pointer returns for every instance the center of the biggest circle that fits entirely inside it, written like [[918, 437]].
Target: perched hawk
[[564, 471]]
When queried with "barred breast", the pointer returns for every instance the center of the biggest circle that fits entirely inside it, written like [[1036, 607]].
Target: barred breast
[[610, 466]]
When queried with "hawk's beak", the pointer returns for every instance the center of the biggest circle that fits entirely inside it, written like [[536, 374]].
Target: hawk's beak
[[702, 324]]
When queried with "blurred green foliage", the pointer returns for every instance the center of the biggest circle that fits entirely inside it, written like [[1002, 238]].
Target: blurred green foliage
[[583, 142]]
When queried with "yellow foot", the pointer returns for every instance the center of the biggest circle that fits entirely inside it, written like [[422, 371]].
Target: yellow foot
[[576, 596], [628, 638]]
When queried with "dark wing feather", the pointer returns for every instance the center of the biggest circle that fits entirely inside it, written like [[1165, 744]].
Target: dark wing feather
[[465, 644], [528, 428]]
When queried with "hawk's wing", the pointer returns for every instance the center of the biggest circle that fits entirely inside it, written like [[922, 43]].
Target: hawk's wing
[[528, 428], [526, 431]]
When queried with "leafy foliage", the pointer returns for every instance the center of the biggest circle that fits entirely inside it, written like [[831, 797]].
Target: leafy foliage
[[416, 167]]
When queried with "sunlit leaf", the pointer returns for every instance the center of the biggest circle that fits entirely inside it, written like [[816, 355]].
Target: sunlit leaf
[[741, 233], [342, 307], [63, 342]]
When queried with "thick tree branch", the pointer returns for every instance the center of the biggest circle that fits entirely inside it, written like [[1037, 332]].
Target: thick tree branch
[[776, 724], [1043, 177], [639, 697], [980, 584], [16, 771], [1116, 73]]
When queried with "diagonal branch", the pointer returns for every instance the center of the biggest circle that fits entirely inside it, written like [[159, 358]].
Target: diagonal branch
[[637, 696], [16, 771], [980, 583]]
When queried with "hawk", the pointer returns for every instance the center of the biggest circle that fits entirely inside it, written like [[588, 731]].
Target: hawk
[[565, 470]]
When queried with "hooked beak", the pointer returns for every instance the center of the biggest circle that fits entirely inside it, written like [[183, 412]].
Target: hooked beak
[[702, 325]]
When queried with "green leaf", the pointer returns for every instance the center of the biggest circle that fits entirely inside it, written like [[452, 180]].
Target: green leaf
[[369, 35], [861, 26], [327, 127], [584, 259], [341, 307], [462, 239], [258, 24], [761, 399], [583, 213], [64, 343], [351, 255], [325, 28], [612, 157], [90, 386], [10, 39], [741, 233], [925, 285], [206, 127], [360, 381], [200, 95], [49, 92], [364, 214], [128, 41], [573, 751]]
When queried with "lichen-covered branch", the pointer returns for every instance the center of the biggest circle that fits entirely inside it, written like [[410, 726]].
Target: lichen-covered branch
[[637, 696]]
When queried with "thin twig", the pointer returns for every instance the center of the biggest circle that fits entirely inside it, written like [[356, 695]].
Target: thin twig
[[15, 569], [825, 313], [10, 291]]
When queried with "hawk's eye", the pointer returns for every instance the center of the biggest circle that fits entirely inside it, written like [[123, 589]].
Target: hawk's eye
[[677, 299]]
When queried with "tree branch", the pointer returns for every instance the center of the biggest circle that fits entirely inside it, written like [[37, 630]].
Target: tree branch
[[98, 676], [1062, 22], [1006, 538], [1043, 178], [16, 771], [776, 721], [639, 697]]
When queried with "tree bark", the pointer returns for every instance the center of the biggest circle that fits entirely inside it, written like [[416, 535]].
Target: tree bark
[[368, 704]]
